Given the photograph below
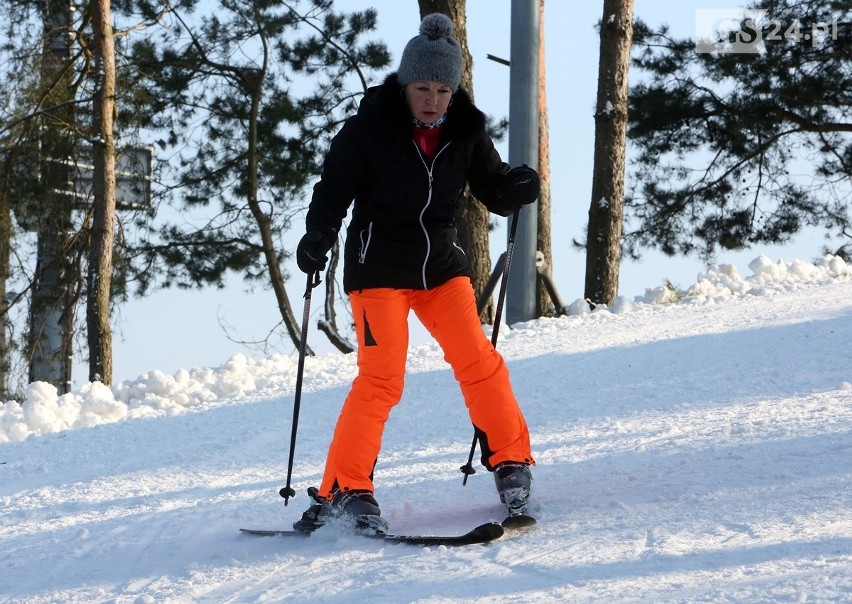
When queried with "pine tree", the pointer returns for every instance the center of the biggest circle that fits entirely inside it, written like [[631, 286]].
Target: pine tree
[[249, 96], [740, 148], [603, 238], [102, 230]]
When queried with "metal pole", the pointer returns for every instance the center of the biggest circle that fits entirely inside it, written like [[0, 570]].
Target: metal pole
[[523, 149]]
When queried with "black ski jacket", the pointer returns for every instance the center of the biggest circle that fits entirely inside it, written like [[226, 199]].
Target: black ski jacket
[[401, 233]]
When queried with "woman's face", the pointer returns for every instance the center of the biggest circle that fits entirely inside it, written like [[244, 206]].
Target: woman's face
[[428, 101]]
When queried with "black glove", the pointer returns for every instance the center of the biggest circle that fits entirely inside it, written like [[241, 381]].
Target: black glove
[[522, 186], [312, 249]]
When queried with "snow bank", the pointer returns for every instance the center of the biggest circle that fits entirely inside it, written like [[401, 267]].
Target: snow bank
[[44, 411], [723, 281]]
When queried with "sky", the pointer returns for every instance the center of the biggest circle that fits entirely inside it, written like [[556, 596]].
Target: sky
[[690, 452], [178, 329]]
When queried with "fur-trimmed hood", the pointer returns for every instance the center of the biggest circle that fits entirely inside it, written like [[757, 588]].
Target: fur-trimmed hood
[[386, 102]]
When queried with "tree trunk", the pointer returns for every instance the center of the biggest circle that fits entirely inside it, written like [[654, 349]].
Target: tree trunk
[[253, 81], [606, 211], [471, 217], [5, 255], [543, 242], [51, 306], [103, 216], [329, 326]]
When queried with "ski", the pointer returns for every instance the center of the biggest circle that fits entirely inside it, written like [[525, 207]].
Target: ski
[[481, 534]]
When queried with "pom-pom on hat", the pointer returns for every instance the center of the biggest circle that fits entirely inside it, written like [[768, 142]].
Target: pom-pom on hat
[[432, 56]]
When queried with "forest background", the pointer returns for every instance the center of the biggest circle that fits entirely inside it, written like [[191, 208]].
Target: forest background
[[215, 324]]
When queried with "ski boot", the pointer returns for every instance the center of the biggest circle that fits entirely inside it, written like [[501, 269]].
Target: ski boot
[[513, 481], [357, 509]]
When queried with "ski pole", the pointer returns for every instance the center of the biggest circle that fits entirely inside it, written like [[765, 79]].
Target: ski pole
[[313, 280], [468, 468]]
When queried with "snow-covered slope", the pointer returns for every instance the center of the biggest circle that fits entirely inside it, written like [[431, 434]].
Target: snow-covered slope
[[687, 452]]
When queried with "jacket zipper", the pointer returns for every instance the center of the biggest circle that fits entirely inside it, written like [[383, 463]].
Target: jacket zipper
[[428, 203]]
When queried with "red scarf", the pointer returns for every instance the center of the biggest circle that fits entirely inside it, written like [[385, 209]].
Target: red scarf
[[427, 140]]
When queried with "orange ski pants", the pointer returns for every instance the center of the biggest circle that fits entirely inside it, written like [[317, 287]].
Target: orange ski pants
[[381, 321]]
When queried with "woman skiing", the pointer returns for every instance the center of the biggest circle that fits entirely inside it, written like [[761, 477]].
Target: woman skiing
[[404, 159]]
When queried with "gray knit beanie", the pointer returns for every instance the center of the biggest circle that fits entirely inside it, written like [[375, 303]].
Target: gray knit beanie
[[432, 56]]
